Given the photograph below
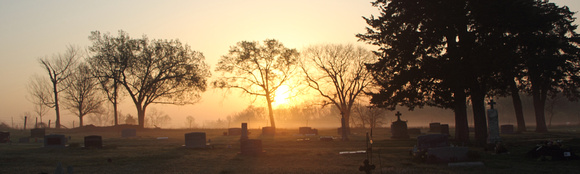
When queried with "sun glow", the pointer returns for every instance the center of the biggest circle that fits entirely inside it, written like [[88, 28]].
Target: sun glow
[[282, 96]]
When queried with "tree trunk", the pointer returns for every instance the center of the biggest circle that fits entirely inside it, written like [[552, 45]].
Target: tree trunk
[[115, 114], [141, 116], [519, 110], [479, 118], [270, 111], [56, 107], [460, 110], [539, 97]]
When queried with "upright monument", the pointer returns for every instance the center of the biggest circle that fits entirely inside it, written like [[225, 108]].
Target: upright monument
[[493, 123], [399, 128]]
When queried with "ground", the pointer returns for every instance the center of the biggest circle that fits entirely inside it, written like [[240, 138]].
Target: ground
[[286, 152]]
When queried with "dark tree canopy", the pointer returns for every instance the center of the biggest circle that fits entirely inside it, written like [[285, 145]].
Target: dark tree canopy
[[150, 71]]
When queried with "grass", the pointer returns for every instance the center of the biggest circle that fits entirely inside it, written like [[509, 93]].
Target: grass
[[284, 154]]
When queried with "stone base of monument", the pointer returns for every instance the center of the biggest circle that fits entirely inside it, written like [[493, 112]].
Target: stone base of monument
[[268, 131], [251, 147]]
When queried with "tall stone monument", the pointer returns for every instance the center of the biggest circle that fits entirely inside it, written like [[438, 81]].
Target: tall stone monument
[[399, 128], [493, 124]]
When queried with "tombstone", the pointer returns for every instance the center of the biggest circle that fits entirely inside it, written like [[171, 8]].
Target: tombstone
[[307, 130], [251, 147], [414, 131], [4, 137], [195, 140], [507, 129], [448, 154], [425, 142], [93, 141], [269, 131], [399, 128], [235, 131], [54, 140], [326, 138], [493, 125], [126, 133], [445, 129], [37, 133], [244, 135], [435, 127]]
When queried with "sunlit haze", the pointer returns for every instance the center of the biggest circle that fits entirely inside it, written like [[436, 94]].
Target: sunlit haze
[[30, 30]]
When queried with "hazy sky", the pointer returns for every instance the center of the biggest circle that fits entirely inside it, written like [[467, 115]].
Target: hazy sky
[[33, 29]]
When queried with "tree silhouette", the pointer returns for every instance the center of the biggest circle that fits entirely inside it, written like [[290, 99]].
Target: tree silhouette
[[157, 71], [81, 95], [338, 74], [59, 68], [257, 69]]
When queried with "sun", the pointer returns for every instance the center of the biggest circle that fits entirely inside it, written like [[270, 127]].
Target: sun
[[282, 95]]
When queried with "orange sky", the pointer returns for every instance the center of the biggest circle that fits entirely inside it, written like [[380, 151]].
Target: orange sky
[[33, 29]]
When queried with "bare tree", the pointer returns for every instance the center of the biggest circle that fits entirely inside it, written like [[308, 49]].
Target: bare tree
[[39, 94], [82, 95], [257, 70], [190, 121], [59, 68], [338, 74], [156, 71], [157, 118]]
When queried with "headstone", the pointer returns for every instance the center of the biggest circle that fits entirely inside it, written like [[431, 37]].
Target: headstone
[[235, 131], [4, 137], [93, 141], [425, 142], [307, 130], [445, 129], [435, 127], [493, 124], [37, 133], [448, 154], [251, 147], [195, 140], [54, 140], [268, 131], [399, 128], [414, 131], [244, 135], [507, 129], [126, 133]]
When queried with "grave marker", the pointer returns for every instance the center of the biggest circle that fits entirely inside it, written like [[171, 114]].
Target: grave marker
[[307, 130], [126, 133], [435, 127], [399, 128], [493, 125], [445, 129], [54, 141], [93, 141], [195, 140], [37, 133], [4, 137], [244, 135]]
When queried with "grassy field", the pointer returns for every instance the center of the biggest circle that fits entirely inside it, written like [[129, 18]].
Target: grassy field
[[284, 154]]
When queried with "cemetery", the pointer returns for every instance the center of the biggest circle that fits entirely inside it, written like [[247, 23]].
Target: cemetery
[[185, 151]]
